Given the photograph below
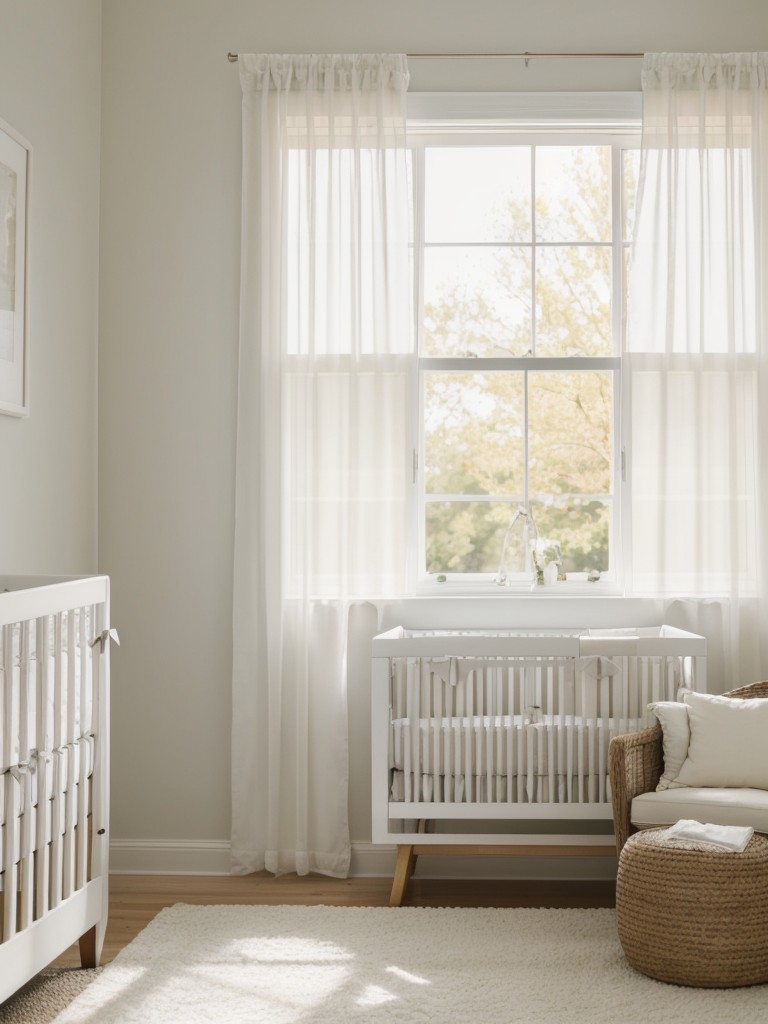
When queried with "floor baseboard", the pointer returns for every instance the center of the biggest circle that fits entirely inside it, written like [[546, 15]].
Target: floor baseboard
[[369, 860], [169, 857]]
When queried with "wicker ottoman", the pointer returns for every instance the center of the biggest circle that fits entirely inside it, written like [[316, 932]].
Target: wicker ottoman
[[693, 916]]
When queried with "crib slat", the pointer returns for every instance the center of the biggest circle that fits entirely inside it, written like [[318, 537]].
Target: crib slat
[[10, 842], [551, 731], [81, 846], [42, 858], [72, 695], [673, 671], [9, 734], [469, 746], [57, 811], [26, 863], [407, 744], [511, 739], [644, 693], [26, 693], [58, 689], [25, 683], [437, 737], [450, 742], [522, 736], [656, 680], [81, 851], [70, 814], [490, 796], [69, 715], [594, 740], [44, 738], [509, 709], [565, 683], [530, 752]]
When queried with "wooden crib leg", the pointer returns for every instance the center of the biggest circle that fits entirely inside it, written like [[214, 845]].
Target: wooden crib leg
[[87, 944], [404, 865]]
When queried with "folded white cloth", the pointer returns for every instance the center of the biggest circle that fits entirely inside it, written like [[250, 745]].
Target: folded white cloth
[[725, 837]]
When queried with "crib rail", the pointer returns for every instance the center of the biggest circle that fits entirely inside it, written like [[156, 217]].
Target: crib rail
[[53, 761]]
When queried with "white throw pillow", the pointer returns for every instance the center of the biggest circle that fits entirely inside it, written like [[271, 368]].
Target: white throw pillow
[[673, 719], [727, 748]]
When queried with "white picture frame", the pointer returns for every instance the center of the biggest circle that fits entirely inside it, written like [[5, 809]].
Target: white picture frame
[[15, 161]]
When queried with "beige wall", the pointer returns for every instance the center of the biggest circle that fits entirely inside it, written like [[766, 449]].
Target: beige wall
[[50, 67], [169, 311]]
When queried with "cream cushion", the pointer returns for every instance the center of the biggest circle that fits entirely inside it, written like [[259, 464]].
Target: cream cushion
[[710, 805], [727, 745], [673, 719]]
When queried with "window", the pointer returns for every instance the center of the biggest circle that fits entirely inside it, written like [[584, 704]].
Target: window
[[519, 252]]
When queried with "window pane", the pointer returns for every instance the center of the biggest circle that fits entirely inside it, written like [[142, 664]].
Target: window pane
[[580, 528], [570, 428], [573, 301], [573, 193], [477, 302], [468, 536], [473, 433], [477, 194]]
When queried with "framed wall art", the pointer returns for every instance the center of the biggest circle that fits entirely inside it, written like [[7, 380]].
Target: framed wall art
[[15, 156]]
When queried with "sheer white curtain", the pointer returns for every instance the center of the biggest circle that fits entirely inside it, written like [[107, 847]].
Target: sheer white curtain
[[697, 344], [325, 381]]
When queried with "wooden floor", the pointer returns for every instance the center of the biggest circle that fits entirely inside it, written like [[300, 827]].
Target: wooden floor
[[136, 899]]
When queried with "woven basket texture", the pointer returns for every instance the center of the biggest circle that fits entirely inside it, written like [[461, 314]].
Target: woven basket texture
[[691, 915]]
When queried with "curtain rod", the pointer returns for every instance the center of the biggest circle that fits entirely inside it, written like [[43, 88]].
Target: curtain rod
[[232, 57]]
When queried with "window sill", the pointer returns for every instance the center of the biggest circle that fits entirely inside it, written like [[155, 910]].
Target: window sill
[[484, 588]]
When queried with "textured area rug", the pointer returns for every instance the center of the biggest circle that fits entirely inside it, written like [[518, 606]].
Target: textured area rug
[[332, 965], [41, 999]]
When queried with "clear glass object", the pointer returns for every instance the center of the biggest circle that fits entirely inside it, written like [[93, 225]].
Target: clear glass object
[[517, 550]]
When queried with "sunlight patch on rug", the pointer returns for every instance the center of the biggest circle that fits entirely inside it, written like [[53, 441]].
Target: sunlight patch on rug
[[334, 965]]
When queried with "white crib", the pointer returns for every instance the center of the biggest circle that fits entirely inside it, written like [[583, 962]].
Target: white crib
[[54, 772], [510, 726]]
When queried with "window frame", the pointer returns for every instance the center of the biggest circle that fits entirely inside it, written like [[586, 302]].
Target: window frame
[[543, 120]]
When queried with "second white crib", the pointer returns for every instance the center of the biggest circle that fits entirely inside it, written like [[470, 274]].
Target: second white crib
[[475, 727]]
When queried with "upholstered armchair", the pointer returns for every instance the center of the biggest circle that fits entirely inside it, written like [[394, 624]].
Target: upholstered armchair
[[636, 763]]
